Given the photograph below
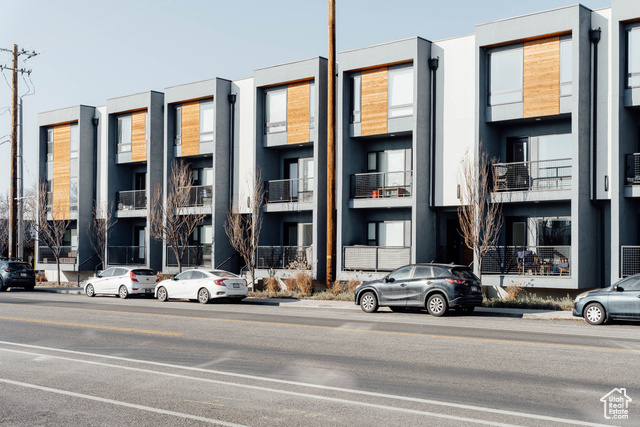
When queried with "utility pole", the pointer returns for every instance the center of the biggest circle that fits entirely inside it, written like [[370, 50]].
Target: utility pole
[[13, 203], [331, 154]]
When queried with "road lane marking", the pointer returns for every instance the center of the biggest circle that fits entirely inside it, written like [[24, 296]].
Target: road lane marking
[[119, 403], [340, 328], [286, 382], [85, 325]]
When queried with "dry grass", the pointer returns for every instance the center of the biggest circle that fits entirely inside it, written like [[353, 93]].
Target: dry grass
[[41, 277], [352, 284], [163, 276], [514, 290], [271, 284]]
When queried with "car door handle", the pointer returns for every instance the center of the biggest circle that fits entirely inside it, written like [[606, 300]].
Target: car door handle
[[404, 285], [429, 282]]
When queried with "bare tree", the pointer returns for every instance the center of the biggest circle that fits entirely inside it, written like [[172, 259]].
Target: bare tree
[[100, 225], [480, 218], [51, 232], [243, 230], [4, 224], [173, 221], [30, 218]]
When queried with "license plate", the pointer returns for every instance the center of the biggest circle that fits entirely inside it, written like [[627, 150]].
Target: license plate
[[236, 285], [23, 274], [474, 288], [148, 290]]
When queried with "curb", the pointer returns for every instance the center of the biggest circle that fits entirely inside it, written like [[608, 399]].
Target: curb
[[349, 305]]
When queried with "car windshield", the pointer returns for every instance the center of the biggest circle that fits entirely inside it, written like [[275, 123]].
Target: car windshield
[[464, 273], [223, 274], [143, 272], [19, 266]]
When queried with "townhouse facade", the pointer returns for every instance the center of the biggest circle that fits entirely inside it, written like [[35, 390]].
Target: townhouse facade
[[551, 97]]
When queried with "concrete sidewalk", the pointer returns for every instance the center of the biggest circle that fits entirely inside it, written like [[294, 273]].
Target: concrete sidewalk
[[349, 305]]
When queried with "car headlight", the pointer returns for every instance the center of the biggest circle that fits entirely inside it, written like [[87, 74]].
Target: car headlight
[[582, 295]]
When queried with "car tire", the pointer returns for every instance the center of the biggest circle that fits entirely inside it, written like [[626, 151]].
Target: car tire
[[594, 314], [398, 309], [123, 292], [163, 295], [203, 296], [29, 288], [90, 291], [369, 302], [437, 305]]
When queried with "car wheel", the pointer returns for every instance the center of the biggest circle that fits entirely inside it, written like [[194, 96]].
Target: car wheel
[[203, 296], [90, 291], [162, 294], [369, 302], [123, 292], [437, 305], [594, 314], [397, 309]]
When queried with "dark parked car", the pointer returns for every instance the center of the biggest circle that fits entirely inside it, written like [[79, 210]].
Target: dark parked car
[[619, 301], [436, 287], [17, 274]]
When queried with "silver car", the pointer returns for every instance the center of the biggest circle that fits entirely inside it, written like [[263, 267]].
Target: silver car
[[122, 281]]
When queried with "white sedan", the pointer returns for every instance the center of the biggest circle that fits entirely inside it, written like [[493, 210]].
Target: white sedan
[[202, 285], [122, 281]]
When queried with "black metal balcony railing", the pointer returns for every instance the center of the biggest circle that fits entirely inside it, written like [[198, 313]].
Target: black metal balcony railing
[[540, 175], [289, 190], [381, 185], [199, 195], [68, 255], [193, 256], [520, 260], [281, 257], [126, 255], [375, 258], [629, 260], [131, 200], [633, 169]]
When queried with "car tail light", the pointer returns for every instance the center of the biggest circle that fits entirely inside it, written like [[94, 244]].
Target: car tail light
[[220, 282], [133, 277], [8, 271], [455, 281], [157, 279]]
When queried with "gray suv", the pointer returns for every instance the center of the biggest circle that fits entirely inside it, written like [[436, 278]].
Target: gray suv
[[16, 274], [436, 287]]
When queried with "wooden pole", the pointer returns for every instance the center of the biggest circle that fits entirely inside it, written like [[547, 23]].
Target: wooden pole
[[331, 185], [13, 207]]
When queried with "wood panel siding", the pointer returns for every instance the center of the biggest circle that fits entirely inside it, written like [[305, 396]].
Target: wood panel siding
[[138, 136], [298, 112], [541, 79], [374, 102], [190, 128], [61, 171]]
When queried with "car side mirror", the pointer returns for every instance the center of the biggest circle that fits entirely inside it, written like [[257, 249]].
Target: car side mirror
[[99, 275], [616, 288], [389, 279], [174, 278]]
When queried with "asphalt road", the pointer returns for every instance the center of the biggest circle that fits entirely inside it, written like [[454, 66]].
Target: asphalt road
[[72, 360]]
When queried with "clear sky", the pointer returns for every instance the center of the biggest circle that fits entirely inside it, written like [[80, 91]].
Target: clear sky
[[92, 50]]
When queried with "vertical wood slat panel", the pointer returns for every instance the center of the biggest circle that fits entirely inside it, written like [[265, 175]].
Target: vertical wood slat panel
[[298, 112], [190, 128], [61, 171], [541, 91], [374, 101], [138, 136]]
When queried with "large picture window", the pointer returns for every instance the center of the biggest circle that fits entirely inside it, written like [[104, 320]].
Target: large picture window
[[506, 76], [633, 57], [178, 122], [124, 134], [400, 96], [356, 98], [74, 141], [566, 67], [276, 111], [206, 121]]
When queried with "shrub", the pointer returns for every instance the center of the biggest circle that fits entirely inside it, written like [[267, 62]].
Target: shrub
[[513, 291], [271, 284], [304, 281], [352, 284]]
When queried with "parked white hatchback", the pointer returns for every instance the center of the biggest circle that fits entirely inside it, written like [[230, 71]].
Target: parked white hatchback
[[122, 281], [203, 285]]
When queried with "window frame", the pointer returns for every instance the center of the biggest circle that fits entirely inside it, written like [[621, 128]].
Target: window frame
[[518, 47], [205, 106], [629, 74], [177, 117], [399, 110], [50, 140], [355, 116], [121, 147], [568, 66], [279, 126]]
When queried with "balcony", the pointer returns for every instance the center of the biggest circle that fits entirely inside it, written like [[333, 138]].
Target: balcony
[[193, 256], [541, 175], [126, 255], [131, 200], [375, 258], [629, 260], [381, 185], [289, 191], [528, 260], [68, 255], [283, 257], [200, 195]]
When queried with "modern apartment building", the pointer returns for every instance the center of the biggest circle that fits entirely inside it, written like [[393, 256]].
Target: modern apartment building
[[553, 97]]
